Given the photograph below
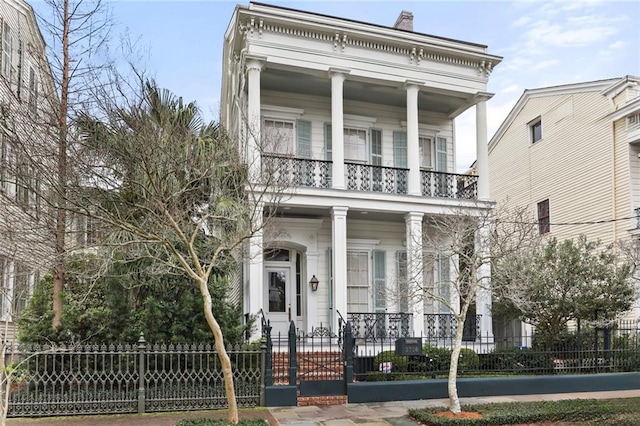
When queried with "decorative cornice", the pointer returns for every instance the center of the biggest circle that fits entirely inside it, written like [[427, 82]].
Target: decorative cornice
[[340, 39]]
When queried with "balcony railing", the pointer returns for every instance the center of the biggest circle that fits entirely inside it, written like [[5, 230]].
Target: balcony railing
[[443, 326], [288, 171], [375, 326], [449, 185], [365, 177]]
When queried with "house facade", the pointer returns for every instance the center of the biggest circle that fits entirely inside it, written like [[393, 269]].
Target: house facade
[[357, 121], [24, 80], [571, 154]]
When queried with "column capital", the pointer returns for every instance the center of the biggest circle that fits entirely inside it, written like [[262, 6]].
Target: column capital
[[343, 72], [410, 84], [255, 62], [482, 96], [413, 216], [339, 211]]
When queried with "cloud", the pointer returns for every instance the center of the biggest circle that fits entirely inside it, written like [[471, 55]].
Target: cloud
[[617, 44], [545, 64], [510, 89]]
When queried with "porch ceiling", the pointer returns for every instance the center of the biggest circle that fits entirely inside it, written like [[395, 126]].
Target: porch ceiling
[[290, 81], [353, 214]]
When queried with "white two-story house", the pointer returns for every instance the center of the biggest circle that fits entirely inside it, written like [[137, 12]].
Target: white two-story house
[[25, 81], [358, 119]]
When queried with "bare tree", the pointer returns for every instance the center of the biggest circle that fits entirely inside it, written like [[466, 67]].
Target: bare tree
[[463, 244], [169, 187]]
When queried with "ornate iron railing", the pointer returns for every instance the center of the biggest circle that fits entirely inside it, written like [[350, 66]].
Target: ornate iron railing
[[365, 177], [449, 185], [92, 379], [443, 326], [288, 171], [374, 326]]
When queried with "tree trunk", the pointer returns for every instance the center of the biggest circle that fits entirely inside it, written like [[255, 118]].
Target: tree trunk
[[222, 353], [452, 386]]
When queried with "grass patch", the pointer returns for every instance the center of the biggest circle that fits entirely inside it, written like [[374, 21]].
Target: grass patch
[[618, 412], [220, 422]]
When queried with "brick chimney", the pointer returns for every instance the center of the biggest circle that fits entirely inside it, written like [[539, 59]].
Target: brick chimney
[[404, 21]]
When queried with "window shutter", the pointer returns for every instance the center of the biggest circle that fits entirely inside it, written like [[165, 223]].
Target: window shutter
[[332, 314], [376, 147], [379, 280], [444, 282], [303, 138], [403, 281], [400, 149], [441, 154], [327, 142]]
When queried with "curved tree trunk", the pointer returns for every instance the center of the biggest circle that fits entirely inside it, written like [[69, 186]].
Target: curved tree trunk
[[452, 386], [222, 353]]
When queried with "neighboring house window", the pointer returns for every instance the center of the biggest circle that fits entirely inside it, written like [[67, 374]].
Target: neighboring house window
[[357, 281], [21, 289], [535, 128], [86, 230], [33, 90], [7, 51], [7, 166], [544, 224], [355, 145], [278, 137]]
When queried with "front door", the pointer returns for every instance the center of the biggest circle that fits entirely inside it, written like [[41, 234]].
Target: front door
[[281, 310]]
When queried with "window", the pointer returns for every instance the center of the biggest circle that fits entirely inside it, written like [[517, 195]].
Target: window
[[536, 130], [425, 145], [357, 282], [544, 224], [7, 166], [7, 51], [278, 137], [444, 284], [33, 90], [355, 145]]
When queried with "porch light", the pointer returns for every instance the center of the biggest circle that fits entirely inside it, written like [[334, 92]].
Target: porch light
[[313, 282]]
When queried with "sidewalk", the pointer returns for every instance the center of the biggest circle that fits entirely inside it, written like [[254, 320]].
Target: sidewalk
[[373, 414]]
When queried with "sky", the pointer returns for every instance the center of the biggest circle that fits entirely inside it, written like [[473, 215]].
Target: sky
[[544, 43]]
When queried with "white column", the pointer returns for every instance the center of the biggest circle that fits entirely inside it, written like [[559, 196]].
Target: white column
[[339, 262], [413, 149], [337, 127], [255, 287], [483, 293], [482, 148], [253, 155], [415, 269], [311, 313]]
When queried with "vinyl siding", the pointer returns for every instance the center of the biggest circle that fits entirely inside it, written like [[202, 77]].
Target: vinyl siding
[[571, 165]]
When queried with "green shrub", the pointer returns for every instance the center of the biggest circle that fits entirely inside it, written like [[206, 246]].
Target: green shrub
[[517, 360], [469, 360], [398, 363], [436, 359]]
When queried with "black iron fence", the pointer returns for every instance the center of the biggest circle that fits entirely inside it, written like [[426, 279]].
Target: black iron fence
[[125, 378]]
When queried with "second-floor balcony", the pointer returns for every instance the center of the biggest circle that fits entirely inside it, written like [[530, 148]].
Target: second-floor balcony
[[310, 173]]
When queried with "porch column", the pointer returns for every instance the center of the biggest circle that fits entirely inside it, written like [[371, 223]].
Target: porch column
[[254, 287], [413, 149], [482, 148], [483, 293], [339, 262], [312, 296], [415, 270], [337, 127], [253, 154]]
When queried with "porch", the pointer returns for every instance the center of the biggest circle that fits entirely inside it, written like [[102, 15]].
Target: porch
[[285, 171]]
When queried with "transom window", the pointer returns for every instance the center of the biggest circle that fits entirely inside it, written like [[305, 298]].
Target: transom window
[[278, 137], [355, 145]]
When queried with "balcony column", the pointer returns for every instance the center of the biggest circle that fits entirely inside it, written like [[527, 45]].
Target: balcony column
[[415, 270], [253, 148], [482, 148], [483, 277], [413, 148], [337, 126], [339, 262], [254, 285]]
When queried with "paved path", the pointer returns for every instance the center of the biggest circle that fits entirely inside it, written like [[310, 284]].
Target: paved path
[[372, 414]]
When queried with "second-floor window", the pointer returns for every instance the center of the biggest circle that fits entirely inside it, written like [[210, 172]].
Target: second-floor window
[[544, 222], [278, 137], [33, 89], [7, 51], [535, 130], [355, 145]]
